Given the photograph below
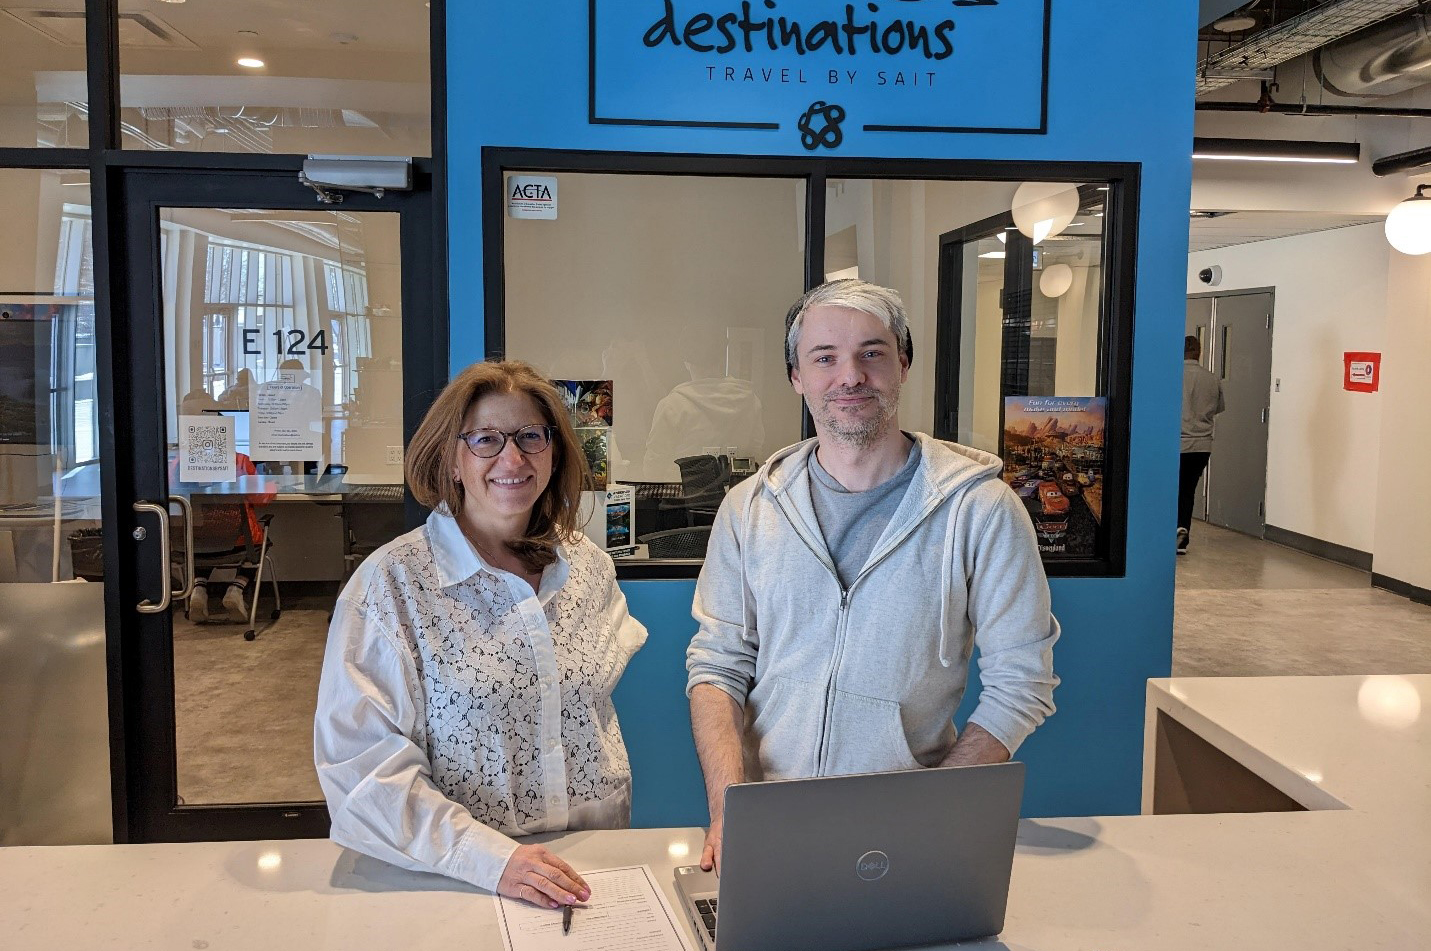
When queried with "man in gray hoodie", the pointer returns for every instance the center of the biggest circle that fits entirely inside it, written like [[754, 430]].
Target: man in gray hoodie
[[848, 581]]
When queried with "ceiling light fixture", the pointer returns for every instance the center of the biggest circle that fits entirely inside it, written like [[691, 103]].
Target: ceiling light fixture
[[1055, 280], [1043, 209], [1277, 150], [1408, 227], [250, 62], [1235, 23]]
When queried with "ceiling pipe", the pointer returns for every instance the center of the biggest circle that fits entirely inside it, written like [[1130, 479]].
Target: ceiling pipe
[[1390, 57], [1296, 109], [1402, 162]]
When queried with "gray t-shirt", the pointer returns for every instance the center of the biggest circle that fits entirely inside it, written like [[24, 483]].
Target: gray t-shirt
[[853, 521]]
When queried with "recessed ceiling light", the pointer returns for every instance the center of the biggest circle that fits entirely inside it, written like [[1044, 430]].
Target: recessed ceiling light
[[250, 62]]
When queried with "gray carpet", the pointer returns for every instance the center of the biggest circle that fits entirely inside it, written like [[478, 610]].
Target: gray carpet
[[244, 709]]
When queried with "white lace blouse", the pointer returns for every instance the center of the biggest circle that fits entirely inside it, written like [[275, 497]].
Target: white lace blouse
[[458, 708]]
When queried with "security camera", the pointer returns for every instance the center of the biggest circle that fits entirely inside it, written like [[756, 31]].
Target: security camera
[[1210, 275]]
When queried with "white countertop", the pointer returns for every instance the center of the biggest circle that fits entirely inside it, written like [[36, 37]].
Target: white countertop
[[1354, 876]]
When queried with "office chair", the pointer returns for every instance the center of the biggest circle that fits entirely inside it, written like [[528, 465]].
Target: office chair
[[703, 485], [678, 542], [223, 539]]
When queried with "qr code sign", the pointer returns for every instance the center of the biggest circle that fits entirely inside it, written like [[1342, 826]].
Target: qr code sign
[[207, 445]]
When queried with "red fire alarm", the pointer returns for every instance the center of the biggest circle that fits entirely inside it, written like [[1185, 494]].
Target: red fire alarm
[[1361, 372]]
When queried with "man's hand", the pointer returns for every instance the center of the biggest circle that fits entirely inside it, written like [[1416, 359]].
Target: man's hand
[[975, 747], [710, 855], [716, 721], [537, 875]]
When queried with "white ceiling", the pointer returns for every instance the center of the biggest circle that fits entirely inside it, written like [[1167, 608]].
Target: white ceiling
[[214, 25], [1245, 227]]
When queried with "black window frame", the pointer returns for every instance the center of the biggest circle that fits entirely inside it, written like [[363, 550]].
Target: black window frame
[[109, 164], [1115, 372]]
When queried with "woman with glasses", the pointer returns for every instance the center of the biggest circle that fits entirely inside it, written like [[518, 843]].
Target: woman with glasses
[[465, 700]]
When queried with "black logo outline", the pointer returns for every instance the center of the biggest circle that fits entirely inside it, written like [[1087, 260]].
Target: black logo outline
[[830, 135]]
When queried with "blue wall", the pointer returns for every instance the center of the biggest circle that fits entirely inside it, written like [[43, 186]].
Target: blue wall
[[1120, 90]]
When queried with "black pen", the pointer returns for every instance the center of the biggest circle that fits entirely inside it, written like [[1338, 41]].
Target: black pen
[[566, 918]]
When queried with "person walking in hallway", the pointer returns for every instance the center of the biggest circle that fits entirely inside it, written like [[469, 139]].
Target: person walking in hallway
[[1202, 400]]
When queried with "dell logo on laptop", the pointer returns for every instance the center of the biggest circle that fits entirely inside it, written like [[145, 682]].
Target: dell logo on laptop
[[872, 866]]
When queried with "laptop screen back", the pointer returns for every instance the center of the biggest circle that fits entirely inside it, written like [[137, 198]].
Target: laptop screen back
[[872, 861]]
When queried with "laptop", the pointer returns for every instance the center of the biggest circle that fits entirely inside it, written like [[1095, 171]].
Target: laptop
[[852, 863]]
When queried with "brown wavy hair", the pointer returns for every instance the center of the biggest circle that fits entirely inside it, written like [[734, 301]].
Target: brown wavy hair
[[432, 455]]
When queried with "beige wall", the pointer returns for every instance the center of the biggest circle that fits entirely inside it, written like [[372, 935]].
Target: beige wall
[[1401, 543], [30, 203], [1323, 443], [652, 282]]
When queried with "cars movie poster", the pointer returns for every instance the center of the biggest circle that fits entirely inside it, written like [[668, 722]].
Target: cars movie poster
[[1053, 460]]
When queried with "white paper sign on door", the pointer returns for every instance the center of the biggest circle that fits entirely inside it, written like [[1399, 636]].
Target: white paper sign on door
[[206, 449], [286, 420]]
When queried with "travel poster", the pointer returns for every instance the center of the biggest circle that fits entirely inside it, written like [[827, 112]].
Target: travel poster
[[1053, 452], [590, 404]]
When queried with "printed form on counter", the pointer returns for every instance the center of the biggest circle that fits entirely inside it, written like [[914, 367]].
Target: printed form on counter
[[627, 911]]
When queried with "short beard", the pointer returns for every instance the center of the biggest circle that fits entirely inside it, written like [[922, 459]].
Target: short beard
[[864, 433]]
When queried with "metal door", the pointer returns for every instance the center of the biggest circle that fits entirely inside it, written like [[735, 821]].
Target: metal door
[[1238, 349]]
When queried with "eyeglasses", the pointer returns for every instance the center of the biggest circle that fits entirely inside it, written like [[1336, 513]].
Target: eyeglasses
[[487, 443]]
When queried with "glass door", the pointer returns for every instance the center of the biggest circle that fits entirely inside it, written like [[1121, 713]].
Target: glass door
[[279, 352]]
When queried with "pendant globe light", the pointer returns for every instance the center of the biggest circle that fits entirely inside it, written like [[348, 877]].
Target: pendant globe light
[[1055, 280], [1408, 227], [1043, 209]]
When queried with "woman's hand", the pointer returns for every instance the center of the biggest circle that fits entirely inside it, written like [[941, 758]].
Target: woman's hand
[[537, 875]]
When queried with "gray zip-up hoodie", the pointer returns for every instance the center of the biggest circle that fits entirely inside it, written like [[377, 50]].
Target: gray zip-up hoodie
[[867, 679]]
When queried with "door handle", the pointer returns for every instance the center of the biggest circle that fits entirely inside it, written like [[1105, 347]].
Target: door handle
[[189, 579], [162, 513]]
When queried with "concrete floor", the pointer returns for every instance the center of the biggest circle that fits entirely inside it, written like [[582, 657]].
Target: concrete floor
[[1246, 608]]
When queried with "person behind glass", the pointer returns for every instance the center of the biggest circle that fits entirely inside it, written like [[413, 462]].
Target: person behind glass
[[465, 699]]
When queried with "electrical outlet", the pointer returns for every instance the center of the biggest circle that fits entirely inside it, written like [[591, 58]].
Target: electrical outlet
[[394, 455]]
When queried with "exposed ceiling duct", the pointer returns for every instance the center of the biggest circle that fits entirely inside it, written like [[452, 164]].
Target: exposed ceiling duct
[[1296, 37], [1382, 60]]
